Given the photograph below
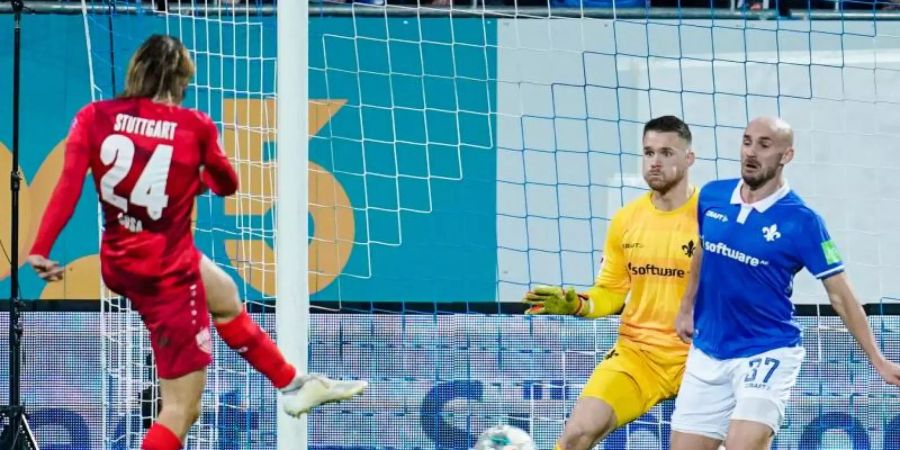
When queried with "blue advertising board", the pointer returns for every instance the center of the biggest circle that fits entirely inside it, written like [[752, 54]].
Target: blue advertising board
[[436, 382]]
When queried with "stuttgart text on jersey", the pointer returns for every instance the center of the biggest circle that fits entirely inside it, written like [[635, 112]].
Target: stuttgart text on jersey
[[160, 129]]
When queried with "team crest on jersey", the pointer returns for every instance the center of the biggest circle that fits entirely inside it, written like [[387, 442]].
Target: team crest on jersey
[[204, 340], [689, 248], [771, 232]]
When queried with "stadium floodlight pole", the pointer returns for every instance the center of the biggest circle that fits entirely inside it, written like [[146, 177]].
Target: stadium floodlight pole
[[291, 211], [16, 433]]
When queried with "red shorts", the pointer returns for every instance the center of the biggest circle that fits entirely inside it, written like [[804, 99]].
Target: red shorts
[[173, 308]]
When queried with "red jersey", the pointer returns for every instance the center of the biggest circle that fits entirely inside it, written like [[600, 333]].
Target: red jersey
[[149, 161]]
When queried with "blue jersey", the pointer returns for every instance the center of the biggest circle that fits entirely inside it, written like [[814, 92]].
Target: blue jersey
[[751, 253]]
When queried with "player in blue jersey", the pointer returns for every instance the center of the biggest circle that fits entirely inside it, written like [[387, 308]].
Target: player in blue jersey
[[756, 235]]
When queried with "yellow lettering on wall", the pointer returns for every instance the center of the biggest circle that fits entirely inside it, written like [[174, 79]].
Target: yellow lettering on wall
[[81, 281], [249, 125]]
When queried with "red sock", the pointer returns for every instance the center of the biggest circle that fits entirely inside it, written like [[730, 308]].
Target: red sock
[[160, 438], [254, 345]]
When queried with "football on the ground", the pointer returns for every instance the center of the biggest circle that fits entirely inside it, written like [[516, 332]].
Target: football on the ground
[[504, 437]]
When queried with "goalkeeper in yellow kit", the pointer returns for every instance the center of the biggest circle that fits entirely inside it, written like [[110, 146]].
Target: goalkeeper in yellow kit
[[648, 252]]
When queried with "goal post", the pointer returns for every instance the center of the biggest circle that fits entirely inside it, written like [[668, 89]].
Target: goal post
[[291, 229]]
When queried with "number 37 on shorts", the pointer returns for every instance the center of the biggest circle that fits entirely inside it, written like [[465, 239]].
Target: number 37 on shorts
[[756, 388], [761, 371], [775, 371]]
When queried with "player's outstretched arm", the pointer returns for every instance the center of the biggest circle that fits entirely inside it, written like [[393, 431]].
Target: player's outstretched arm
[[853, 315], [64, 199], [684, 321], [596, 302], [46, 269], [553, 300], [606, 297]]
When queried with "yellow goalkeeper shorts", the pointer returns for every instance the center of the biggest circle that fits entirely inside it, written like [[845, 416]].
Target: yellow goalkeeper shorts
[[632, 382]]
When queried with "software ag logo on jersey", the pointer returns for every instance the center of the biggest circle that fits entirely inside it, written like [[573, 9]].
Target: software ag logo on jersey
[[717, 215], [654, 270], [720, 248]]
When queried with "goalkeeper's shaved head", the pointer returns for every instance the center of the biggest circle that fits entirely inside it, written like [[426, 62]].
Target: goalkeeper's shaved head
[[160, 69]]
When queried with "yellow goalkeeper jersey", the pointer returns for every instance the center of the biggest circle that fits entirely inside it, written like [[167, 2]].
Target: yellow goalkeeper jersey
[[648, 254]]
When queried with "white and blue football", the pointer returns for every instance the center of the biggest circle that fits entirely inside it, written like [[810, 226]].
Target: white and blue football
[[504, 437]]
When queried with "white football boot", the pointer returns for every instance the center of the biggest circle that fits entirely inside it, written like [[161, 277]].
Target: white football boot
[[311, 390]]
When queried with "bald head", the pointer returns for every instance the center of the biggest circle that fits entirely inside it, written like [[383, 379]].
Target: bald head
[[768, 145], [774, 127]]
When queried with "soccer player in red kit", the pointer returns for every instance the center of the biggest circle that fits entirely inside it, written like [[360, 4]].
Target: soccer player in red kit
[[150, 158]]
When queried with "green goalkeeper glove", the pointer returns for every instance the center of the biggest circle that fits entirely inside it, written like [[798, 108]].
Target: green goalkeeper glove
[[554, 300]]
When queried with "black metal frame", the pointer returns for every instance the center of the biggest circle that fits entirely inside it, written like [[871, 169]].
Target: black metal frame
[[16, 434]]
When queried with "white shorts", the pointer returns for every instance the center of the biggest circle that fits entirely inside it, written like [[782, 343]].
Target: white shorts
[[714, 392]]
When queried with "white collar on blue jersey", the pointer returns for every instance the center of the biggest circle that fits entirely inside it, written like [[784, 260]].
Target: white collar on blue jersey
[[763, 204]]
